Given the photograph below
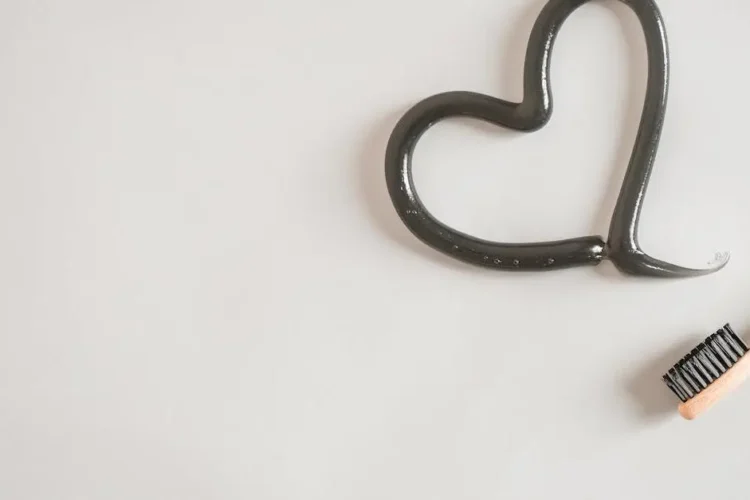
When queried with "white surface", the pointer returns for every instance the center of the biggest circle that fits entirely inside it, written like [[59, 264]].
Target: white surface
[[207, 294]]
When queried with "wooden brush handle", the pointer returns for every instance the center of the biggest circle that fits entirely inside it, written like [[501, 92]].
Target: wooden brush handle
[[718, 388]]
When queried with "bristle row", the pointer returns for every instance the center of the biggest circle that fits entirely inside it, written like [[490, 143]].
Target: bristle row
[[704, 364]]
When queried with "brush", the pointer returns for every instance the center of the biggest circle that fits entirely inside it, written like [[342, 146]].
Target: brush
[[714, 368]]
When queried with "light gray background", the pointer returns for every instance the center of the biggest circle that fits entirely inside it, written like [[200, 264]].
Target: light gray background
[[206, 293]]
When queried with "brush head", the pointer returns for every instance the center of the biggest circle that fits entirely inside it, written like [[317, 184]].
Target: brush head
[[704, 365]]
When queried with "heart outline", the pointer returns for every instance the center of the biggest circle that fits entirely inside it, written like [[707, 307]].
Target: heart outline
[[531, 114]]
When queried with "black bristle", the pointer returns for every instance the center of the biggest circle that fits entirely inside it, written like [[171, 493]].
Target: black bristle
[[706, 363], [716, 350], [736, 338], [728, 352], [690, 365], [675, 388], [679, 382], [714, 359], [702, 371], [734, 342]]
